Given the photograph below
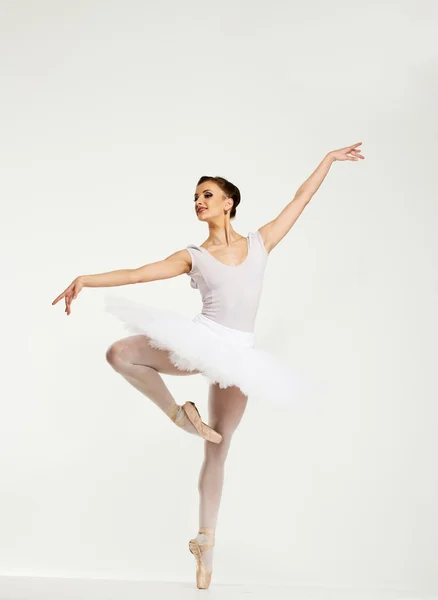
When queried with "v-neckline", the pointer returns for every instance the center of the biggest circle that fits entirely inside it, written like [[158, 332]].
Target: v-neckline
[[224, 264]]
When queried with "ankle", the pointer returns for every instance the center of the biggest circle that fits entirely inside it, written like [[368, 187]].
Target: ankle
[[173, 411], [207, 530], [177, 414], [206, 536]]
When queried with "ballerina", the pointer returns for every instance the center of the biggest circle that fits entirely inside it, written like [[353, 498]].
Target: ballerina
[[219, 342]]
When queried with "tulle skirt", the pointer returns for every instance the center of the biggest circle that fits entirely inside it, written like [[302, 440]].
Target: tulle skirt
[[225, 356]]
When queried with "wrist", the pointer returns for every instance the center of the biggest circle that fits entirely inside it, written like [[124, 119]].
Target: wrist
[[83, 280], [330, 158]]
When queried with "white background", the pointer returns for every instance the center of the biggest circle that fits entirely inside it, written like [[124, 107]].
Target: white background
[[110, 112]]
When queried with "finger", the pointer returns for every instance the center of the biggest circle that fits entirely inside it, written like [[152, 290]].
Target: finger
[[58, 298], [66, 291], [355, 145]]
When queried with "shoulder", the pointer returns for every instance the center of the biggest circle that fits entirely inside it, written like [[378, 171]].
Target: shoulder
[[191, 254], [182, 257]]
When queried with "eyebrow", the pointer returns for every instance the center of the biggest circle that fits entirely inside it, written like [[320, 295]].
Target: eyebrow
[[207, 190]]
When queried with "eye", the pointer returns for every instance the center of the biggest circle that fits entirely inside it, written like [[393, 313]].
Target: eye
[[206, 195]]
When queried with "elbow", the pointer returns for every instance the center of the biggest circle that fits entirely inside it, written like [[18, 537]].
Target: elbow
[[135, 276], [303, 197]]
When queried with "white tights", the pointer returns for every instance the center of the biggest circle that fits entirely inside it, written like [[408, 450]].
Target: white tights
[[141, 365]]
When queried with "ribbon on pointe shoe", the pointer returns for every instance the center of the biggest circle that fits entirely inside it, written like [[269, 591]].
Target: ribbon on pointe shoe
[[172, 414], [190, 414], [204, 430]]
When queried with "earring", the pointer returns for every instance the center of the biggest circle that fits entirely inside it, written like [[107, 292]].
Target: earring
[[225, 212]]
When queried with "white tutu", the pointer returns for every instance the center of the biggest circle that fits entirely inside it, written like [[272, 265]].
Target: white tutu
[[223, 355]]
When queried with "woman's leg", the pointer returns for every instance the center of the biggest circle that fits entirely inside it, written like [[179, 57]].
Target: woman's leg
[[140, 364], [226, 408]]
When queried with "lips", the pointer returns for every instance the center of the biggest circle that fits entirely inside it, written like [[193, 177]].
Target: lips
[[201, 209]]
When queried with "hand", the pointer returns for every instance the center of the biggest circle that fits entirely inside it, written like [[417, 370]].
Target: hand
[[70, 294], [347, 153]]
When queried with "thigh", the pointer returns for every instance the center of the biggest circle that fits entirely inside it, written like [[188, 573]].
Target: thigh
[[226, 407], [137, 350]]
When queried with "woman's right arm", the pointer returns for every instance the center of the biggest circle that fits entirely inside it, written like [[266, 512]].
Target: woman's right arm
[[176, 264]]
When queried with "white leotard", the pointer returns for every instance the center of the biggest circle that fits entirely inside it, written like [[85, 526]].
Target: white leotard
[[230, 294]]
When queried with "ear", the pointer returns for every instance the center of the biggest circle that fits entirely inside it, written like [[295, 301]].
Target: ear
[[229, 203]]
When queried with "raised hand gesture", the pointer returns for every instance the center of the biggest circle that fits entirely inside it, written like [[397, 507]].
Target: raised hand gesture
[[347, 153], [70, 294]]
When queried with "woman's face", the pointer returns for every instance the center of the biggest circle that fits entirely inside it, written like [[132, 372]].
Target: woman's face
[[210, 201]]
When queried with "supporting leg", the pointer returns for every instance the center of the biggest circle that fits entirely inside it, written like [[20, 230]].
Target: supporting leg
[[226, 409]]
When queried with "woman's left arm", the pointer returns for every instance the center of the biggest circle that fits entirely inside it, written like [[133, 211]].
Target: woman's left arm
[[274, 231]]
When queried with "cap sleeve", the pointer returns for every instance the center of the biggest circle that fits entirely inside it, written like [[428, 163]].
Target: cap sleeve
[[260, 241], [194, 271]]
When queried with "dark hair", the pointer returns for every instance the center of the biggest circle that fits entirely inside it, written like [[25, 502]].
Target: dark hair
[[228, 188]]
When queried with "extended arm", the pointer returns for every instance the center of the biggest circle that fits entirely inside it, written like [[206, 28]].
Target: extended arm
[[176, 264], [274, 231]]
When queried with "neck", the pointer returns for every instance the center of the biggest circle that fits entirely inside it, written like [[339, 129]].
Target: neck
[[221, 232]]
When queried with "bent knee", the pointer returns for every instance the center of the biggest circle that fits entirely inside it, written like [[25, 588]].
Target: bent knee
[[117, 354]]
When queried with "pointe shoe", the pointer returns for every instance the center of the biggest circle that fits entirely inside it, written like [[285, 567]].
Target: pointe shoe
[[192, 415], [203, 575]]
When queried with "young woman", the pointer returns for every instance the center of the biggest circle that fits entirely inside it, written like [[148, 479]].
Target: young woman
[[219, 342]]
